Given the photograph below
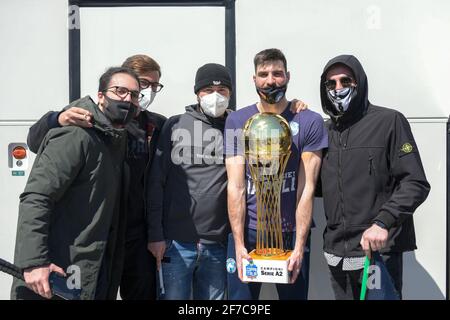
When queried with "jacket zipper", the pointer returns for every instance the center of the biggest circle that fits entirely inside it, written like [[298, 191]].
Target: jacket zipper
[[149, 159], [341, 191], [370, 164]]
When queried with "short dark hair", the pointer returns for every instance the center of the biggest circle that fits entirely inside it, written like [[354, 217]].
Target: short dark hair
[[105, 78], [267, 55]]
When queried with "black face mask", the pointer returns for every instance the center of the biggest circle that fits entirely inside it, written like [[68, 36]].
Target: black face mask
[[120, 112], [272, 95]]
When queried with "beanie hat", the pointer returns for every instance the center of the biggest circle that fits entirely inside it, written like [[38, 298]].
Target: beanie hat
[[212, 74]]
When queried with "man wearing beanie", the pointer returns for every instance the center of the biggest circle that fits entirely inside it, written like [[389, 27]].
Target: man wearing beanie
[[187, 194]]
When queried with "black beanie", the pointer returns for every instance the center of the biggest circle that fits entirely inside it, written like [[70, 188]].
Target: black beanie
[[212, 74]]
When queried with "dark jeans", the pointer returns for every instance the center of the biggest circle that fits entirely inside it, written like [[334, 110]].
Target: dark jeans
[[347, 284], [238, 290], [139, 272]]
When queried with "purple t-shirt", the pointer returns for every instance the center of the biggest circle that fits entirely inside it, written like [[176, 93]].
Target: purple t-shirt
[[308, 134]]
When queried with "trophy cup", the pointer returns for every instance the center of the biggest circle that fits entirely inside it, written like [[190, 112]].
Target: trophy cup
[[267, 139]]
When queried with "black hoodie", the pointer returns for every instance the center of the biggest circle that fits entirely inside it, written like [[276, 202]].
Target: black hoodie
[[187, 190], [371, 172]]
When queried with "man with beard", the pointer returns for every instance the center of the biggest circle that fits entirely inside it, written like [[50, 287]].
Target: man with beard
[[308, 139]]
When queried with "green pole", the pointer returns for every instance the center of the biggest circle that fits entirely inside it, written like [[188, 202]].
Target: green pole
[[364, 279]]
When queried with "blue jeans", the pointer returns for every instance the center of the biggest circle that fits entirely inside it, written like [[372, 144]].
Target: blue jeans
[[238, 290], [195, 270]]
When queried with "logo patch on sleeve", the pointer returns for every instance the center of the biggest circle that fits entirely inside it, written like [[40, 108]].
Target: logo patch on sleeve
[[295, 127], [407, 148]]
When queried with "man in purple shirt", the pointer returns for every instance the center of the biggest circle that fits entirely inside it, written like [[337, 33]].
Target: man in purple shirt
[[309, 137]]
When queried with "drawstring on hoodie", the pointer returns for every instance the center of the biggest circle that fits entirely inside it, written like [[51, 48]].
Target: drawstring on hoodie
[[348, 135]]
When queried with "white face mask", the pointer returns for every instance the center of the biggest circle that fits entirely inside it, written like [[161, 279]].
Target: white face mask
[[214, 104], [147, 99]]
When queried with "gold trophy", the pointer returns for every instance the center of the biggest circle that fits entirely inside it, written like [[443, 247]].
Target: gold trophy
[[267, 149]]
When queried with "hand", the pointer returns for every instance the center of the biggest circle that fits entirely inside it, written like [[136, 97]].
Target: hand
[[374, 239], [295, 264], [75, 117], [298, 106], [37, 279], [241, 253], [157, 249]]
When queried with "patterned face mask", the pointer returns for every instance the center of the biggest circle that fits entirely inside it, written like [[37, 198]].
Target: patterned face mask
[[272, 95], [341, 98]]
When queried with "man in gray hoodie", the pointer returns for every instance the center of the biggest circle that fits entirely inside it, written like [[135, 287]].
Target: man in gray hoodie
[[187, 196]]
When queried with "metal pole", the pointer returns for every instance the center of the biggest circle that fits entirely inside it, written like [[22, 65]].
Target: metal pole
[[230, 45], [74, 52], [448, 214]]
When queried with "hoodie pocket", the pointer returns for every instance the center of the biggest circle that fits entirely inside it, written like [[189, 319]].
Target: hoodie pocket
[[377, 169], [371, 165]]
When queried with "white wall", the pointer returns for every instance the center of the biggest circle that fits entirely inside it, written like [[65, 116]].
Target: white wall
[[34, 57], [34, 69], [181, 39], [11, 187], [425, 269], [402, 45]]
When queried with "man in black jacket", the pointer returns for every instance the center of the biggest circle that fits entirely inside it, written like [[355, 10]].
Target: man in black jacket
[[138, 279], [372, 179]]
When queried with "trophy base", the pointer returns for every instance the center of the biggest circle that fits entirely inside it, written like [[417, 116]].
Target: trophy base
[[273, 269]]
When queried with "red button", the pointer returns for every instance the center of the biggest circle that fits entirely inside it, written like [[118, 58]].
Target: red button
[[19, 153]]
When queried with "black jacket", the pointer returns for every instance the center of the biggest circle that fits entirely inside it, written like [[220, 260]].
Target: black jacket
[[371, 171], [139, 157], [188, 181]]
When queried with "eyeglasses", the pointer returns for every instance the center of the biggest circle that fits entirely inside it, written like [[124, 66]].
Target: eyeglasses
[[156, 86], [123, 92], [345, 82]]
